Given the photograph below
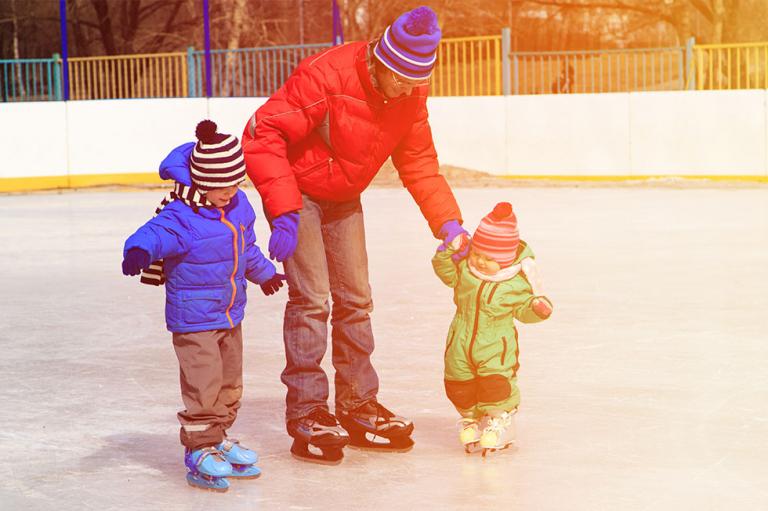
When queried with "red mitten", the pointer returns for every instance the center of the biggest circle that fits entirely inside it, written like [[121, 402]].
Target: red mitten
[[542, 307]]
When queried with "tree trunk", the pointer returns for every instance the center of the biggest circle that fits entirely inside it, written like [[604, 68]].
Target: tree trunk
[[105, 26], [19, 78], [718, 21], [235, 30]]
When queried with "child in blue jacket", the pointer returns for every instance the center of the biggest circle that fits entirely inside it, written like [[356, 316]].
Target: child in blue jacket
[[202, 246]]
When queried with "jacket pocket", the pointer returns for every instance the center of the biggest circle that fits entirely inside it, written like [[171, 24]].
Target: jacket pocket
[[201, 305], [242, 239], [326, 163], [503, 349]]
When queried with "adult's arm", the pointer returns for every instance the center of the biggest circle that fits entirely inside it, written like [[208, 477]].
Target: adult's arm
[[415, 159], [288, 117]]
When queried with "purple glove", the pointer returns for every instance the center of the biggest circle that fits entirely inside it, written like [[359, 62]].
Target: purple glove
[[448, 233], [135, 260], [282, 242], [271, 286], [450, 230]]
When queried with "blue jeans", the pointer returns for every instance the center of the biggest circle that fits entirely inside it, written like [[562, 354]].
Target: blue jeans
[[330, 258]]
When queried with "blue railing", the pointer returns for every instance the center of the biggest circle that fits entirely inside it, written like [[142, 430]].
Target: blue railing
[[31, 79]]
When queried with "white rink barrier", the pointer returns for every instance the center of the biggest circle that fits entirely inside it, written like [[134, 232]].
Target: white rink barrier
[[718, 134]]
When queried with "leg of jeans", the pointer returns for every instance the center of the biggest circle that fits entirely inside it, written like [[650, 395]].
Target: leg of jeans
[[201, 376], [344, 235], [305, 327], [231, 348]]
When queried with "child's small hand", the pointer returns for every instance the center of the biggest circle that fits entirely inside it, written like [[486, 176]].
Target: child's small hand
[[272, 285], [542, 307], [461, 245], [136, 259]]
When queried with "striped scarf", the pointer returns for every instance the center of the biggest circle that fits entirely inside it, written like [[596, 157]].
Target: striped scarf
[[189, 195]]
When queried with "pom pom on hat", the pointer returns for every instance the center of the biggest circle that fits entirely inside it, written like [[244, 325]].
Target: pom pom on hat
[[501, 211], [206, 132], [497, 236], [421, 20]]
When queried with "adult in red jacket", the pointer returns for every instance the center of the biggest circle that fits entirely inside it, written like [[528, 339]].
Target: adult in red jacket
[[311, 149]]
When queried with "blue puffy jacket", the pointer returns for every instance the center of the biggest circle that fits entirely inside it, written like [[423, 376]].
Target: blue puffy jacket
[[207, 256]]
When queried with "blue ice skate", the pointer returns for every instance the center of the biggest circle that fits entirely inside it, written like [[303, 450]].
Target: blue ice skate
[[208, 469], [241, 458]]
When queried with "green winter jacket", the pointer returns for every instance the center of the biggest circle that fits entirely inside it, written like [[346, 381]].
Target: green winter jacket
[[482, 339]]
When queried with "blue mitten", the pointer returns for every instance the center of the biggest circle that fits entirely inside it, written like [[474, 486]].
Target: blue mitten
[[272, 285], [135, 260], [282, 242]]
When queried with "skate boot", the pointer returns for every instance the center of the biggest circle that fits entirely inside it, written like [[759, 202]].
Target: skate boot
[[469, 433], [373, 427], [499, 433], [318, 431], [208, 469], [242, 459]]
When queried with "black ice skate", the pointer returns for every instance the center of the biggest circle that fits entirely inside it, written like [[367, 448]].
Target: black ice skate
[[318, 438], [373, 427]]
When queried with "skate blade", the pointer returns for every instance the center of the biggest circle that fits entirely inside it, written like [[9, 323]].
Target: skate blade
[[237, 477], [208, 488], [471, 447], [486, 450], [374, 448], [318, 461]]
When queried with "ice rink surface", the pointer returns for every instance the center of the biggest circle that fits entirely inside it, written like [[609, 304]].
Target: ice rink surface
[[646, 390]]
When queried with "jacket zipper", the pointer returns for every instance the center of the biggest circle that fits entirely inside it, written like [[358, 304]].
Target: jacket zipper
[[477, 319], [493, 290], [448, 346], [310, 170], [234, 269], [504, 350]]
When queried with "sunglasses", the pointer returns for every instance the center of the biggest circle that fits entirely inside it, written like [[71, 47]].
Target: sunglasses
[[403, 83]]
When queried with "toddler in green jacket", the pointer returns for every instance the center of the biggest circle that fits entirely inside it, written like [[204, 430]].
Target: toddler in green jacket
[[496, 283]]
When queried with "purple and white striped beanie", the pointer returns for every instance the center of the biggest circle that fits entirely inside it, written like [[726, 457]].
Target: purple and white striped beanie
[[409, 45], [217, 160]]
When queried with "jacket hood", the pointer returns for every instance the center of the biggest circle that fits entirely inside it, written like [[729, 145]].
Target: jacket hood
[[175, 166]]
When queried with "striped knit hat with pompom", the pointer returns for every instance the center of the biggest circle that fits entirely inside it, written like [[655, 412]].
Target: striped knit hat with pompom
[[217, 160], [497, 236], [409, 45]]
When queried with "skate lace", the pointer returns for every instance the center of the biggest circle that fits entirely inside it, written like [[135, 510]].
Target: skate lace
[[209, 451], [322, 416], [229, 443], [498, 424], [381, 411]]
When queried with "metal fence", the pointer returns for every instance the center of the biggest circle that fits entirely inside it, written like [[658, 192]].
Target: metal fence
[[157, 75], [731, 66], [648, 69], [251, 72], [30, 79], [467, 66]]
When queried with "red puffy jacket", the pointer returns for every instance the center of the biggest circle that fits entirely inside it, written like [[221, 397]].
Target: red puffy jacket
[[326, 132]]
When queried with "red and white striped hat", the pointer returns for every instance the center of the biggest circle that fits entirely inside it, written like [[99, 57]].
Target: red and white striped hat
[[497, 236], [217, 160]]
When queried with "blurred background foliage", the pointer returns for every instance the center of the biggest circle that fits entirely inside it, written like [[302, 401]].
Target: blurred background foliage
[[30, 28]]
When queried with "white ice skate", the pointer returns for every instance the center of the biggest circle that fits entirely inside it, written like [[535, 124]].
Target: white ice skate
[[499, 433], [469, 433]]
